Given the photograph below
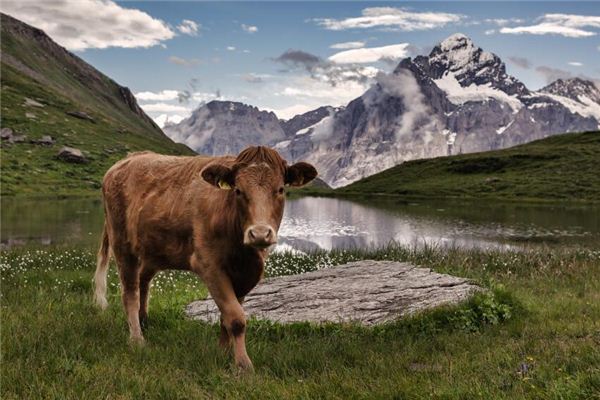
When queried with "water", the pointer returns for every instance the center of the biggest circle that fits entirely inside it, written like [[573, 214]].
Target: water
[[325, 223]]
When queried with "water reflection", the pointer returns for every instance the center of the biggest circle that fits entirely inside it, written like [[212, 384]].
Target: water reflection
[[324, 223]]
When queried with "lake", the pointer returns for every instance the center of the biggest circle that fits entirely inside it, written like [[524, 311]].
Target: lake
[[325, 223]]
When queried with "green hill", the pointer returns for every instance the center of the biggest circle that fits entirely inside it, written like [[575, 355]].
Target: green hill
[[42, 86], [563, 167]]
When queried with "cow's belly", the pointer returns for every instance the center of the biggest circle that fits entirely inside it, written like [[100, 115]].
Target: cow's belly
[[164, 247]]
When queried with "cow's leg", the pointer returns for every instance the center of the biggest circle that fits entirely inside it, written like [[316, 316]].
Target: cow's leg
[[224, 338], [232, 313], [129, 272], [146, 276]]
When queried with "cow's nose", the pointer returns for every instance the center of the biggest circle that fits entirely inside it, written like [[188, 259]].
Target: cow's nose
[[260, 236]]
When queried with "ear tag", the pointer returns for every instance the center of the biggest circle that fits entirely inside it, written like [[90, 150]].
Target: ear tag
[[224, 185]]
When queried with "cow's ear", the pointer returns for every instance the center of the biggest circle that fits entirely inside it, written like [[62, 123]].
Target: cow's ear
[[218, 175], [300, 174]]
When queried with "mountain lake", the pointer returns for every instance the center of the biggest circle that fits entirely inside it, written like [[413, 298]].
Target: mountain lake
[[312, 223]]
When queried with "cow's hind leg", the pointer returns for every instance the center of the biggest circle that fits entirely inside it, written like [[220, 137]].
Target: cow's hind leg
[[129, 272], [146, 276]]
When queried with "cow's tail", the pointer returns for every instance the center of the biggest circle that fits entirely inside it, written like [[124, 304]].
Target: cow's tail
[[102, 270]]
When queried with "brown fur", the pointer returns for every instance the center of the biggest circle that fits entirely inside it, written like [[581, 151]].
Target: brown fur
[[167, 212]]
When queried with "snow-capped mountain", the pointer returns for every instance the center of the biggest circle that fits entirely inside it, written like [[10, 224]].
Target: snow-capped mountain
[[226, 127], [458, 99]]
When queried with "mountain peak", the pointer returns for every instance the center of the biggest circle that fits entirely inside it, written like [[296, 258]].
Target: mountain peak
[[456, 41], [574, 88]]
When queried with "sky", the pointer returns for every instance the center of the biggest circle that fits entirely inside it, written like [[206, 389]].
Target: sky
[[291, 57]]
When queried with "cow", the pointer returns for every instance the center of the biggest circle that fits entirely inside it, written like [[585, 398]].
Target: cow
[[215, 216]]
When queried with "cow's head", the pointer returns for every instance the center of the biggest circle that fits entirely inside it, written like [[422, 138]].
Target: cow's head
[[257, 181]]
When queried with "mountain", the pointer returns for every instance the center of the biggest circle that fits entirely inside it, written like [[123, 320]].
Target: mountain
[[458, 99], [48, 91], [226, 127], [560, 167]]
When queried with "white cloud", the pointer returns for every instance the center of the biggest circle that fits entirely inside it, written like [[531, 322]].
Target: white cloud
[[391, 18], [184, 62], [504, 21], [164, 108], [347, 45], [568, 25], [291, 111], [575, 63], [372, 54], [188, 27], [88, 24], [490, 32], [163, 119], [163, 95], [231, 48], [249, 28]]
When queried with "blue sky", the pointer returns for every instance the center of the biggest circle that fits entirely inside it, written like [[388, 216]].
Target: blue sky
[[233, 50]]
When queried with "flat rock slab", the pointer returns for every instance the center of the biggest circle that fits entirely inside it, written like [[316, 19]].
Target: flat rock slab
[[365, 292]]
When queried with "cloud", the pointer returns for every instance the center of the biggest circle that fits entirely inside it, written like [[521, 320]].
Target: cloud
[[231, 48], [503, 21], [164, 108], [188, 27], [551, 74], [520, 62], [184, 62], [255, 78], [489, 32], [249, 28], [325, 70], [163, 95], [290, 111], [575, 63], [369, 55], [164, 119], [390, 18], [91, 24], [347, 45], [568, 25]]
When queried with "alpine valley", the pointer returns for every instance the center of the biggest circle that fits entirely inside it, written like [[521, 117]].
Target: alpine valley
[[458, 99]]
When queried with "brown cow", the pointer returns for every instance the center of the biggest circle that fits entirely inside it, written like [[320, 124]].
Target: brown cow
[[215, 216]]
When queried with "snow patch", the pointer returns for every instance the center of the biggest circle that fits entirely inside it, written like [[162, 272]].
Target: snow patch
[[584, 107], [459, 95]]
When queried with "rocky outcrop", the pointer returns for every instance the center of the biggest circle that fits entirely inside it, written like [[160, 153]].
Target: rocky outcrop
[[71, 155], [81, 115], [365, 292]]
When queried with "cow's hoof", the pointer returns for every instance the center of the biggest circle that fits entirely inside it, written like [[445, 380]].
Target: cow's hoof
[[137, 341], [244, 366]]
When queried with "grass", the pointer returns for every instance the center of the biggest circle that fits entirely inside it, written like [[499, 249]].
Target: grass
[[534, 335], [63, 83], [558, 168]]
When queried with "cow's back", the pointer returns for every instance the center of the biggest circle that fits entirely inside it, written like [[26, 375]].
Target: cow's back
[[148, 200]]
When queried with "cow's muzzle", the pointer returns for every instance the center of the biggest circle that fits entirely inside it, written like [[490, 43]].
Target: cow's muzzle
[[260, 236]]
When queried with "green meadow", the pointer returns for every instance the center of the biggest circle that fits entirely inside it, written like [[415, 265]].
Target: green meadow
[[535, 334]]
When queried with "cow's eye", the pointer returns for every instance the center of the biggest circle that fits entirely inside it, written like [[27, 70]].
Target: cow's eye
[[280, 191], [238, 191]]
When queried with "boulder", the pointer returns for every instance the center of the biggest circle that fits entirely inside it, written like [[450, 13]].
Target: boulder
[[18, 139], [6, 133], [365, 292], [71, 155], [81, 115], [46, 140]]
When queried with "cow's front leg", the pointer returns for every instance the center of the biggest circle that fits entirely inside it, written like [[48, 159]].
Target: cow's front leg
[[232, 313]]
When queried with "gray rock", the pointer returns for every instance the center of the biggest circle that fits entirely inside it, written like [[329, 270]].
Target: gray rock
[[46, 140], [365, 292], [32, 103], [81, 115], [6, 133], [72, 155], [18, 139], [30, 115]]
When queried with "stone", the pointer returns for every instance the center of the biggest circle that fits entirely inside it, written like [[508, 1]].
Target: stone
[[46, 140], [18, 139], [365, 292], [71, 155], [32, 103], [30, 115], [6, 133], [81, 115]]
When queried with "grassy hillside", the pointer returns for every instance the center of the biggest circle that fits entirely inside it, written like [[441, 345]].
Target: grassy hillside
[[563, 167], [41, 83]]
